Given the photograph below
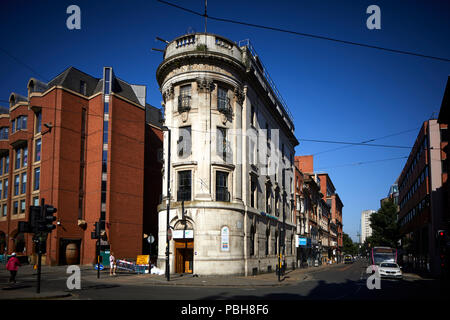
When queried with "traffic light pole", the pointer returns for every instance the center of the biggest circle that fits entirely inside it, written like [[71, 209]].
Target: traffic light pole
[[168, 210], [98, 258], [39, 247], [38, 289]]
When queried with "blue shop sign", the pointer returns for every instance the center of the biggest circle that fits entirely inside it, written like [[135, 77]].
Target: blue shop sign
[[302, 242]]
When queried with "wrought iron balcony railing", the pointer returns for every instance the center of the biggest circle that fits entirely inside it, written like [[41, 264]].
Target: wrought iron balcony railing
[[224, 106], [184, 103]]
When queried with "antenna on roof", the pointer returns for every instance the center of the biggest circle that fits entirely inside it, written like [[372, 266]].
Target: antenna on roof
[[206, 15], [160, 39]]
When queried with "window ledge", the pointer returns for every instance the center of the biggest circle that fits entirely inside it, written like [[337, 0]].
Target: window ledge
[[223, 165], [185, 163]]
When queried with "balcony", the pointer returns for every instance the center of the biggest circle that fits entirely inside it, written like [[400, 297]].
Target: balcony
[[184, 103]]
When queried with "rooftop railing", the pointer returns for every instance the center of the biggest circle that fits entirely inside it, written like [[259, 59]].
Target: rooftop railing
[[265, 73]]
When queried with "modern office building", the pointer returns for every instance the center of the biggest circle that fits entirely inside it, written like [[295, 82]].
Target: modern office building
[[421, 197], [366, 229], [443, 120], [231, 160], [78, 143], [392, 194]]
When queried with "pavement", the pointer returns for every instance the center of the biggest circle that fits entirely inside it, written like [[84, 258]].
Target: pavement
[[25, 289]]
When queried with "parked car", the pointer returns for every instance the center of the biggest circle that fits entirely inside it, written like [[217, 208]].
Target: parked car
[[348, 259], [390, 270]]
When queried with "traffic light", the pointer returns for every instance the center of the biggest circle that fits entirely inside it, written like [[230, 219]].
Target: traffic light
[[46, 222], [442, 243], [34, 217], [24, 227], [96, 233], [442, 239]]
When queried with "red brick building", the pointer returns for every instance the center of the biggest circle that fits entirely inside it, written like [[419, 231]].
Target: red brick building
[[334, 201], [327, 193], [79, 143]]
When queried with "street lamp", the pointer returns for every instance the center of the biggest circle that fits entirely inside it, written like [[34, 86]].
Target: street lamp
[[164, 128], [283, 229]]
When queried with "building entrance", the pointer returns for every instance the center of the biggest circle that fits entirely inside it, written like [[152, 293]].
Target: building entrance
[[184, 256]]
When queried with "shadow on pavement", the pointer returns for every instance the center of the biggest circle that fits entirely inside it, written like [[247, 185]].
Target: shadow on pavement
[[390, 290]]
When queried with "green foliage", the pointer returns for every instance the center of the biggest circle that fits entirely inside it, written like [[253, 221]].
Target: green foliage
[[348, 247], [385, 229], [201, 47]]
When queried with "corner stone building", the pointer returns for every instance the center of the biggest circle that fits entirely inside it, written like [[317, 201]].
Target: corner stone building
[[231, 160]]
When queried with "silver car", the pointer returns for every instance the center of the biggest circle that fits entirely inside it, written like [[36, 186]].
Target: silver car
[[390, 270]]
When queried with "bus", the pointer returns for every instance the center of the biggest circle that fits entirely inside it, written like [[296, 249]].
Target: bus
[[383, 254]]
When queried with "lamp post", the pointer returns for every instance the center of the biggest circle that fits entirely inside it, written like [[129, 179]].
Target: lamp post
[[283, 229], [164, 128]]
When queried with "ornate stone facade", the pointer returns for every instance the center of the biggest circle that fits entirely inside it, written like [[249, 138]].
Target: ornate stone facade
[[214, 103]]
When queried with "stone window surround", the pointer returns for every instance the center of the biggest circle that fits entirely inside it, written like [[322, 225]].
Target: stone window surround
[[229, 169], [198, 85], [186, 166]]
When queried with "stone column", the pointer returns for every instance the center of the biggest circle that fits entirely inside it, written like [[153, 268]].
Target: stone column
[[203, 180]]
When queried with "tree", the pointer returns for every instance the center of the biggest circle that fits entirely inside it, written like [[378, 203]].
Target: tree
[[385, 229], [348, 246]]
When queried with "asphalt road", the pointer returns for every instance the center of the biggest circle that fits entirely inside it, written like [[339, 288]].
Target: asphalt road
[[340, 282], [344, 282]]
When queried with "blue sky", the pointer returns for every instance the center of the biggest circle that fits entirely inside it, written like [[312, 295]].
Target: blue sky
[[335, 91]]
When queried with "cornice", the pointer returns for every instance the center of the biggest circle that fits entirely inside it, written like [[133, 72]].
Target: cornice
[[192, 57]]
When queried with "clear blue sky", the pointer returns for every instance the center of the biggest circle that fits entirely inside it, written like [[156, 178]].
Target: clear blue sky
[[335, 91]]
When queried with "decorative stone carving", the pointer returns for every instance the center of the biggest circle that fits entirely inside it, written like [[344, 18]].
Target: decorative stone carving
[[169, 92], [205, 84], [239, 95], [184, 116], [224, 118]]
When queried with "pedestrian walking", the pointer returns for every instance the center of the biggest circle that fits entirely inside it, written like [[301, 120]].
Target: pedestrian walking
[[112, 264], [13, 266]]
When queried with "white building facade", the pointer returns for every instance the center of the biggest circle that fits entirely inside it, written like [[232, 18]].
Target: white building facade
[[366, 229], [232, 152]]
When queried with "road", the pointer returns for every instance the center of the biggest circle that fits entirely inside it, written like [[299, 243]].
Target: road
[[339, 282]]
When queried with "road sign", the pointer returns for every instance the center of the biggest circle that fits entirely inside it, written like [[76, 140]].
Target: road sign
[[101, 267], [150, 239], [143, 259], [169, 234]]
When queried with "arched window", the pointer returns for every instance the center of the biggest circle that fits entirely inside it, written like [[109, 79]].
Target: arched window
[[2, 242], [19, 243]]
